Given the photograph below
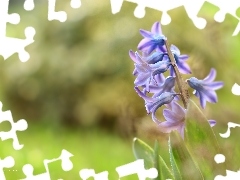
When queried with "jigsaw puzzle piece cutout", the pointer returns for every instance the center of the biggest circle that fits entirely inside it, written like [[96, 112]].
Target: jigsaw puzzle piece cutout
[[7, 162], [87, 173], [225, 7], [6, 18], [28, 171], [60, 15], [8, 45], [230, 22], [160, 5], [66, 164], [137, 167], [17, 45], [20, 125], [192, 9]]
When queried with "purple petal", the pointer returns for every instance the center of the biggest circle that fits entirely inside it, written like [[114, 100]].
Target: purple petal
[[183, 57], [178, 109], [141, 68], [211, 76], [159, 78], [212, 122], [210, 96], [202, 100], [169, 116], [142, 95], [161, 49], [215, 85], [154, 118], [141, 79], [135, 72], [184, 68], [154, 89], [156, 28], [181, 130], [133, 57], [144, 44], [151, 48], [175, 50], [146, 34], [172, 73], [167, 127], [196, 93]]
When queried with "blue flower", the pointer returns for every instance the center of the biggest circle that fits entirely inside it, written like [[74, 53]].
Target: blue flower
[[205, 89], [166, 86], [152, 40], [180, 61], [152, 104], [175, 119], [155, 57], [145, 72]]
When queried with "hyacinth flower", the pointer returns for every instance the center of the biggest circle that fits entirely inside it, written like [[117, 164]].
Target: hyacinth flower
[[152, 104], [175, 119], [145, 72], [180, 61], [137, 60], [159, 80], [152, 40], [157, 57], [205, 89], [166, 86]]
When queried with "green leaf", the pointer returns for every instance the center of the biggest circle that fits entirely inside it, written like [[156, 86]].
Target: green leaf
[[202, 142], [183, 165], [142, 150], [163, 170], [175, 169], [151, 158]]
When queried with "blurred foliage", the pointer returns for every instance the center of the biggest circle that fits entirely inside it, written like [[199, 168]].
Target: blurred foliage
[[79, 73]]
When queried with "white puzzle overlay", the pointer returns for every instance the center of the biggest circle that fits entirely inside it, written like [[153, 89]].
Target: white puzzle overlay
[[192, 9]]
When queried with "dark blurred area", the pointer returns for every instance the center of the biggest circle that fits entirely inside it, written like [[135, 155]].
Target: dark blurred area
[[80, 74]]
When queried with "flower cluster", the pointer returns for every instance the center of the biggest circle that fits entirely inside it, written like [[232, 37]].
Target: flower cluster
[[154, 59]]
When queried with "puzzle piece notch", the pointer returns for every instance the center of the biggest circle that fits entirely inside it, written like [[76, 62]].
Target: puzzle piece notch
[[20, 125], [7, 162], [60, 15], [28, 5], [75, 4], [219, 158], [66, 164], [87, 173], [236, 88], [137, 167]]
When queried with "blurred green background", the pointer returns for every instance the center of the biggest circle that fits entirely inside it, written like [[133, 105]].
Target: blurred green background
[[76, 91]]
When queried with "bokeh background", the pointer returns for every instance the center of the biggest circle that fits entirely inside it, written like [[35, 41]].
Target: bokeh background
[[76, 91]]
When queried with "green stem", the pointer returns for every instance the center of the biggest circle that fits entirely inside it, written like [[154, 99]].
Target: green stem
[[182, 85]]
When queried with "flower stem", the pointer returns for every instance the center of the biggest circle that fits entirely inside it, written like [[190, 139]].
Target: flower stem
[[182, 85]]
